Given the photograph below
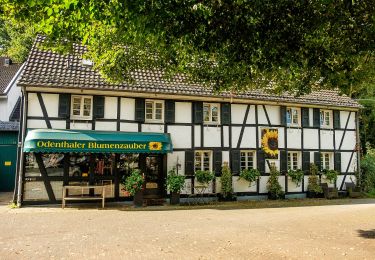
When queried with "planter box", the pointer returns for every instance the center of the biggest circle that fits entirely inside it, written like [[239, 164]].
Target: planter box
[[230, 197], [313, 194], [274, 197], [175, 198], [138, 199]]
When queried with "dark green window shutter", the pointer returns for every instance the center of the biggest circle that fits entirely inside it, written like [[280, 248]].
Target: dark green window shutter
[[64, 105], [283, 162], [169, 111], [336, 119], [338, 162], [305, 117], [140, 110], [98, 104], [189, 163], [218, 157], [261, 161], [283, 115], [235, 162], [316, 117], [225, 114], [306, 162], [317, 160], [198, 112]]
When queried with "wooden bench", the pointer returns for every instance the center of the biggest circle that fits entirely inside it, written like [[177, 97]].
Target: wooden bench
[[83, 195]]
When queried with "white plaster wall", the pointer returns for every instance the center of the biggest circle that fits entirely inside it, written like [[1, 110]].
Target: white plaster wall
[[218, 185], [58, 124], [4, 109], [349, 178], [226, 136], [249, 138], [282, 182], [212, 136], [81, 126], [240, 185], [326, 139], [209, 189], [345, 159], [127, 108], [338, 136], [187, 187], [292, 187], [263, 184], [106, 126], [306, 182], [273, 114], [31, 123], [251, 116], [51, 102], [35, 190], [349, 140], [183, 112], [294, 138], [152, 128], [110, 107], [225, 157], [236, 130], [180, 135], [277, 164], [129, 127], [34, 108], [197, 136], [344, 117], [173, 158], [311, 139], [262, 119], [311, 116], [7, 104], [238, 113]]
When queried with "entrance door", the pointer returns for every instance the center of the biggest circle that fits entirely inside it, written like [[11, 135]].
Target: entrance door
[[152, 166], [8, 160]]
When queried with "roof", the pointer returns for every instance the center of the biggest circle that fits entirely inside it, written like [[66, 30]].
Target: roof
[[16, 112], [7, 73], [9, 126], [49, 69]]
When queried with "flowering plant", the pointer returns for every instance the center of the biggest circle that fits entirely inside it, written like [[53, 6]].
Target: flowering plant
[[134, 182]]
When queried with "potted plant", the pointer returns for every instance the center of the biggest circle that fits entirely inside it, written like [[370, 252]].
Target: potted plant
[[249, 175], [314, 190], [174, 184], [204, 177], [133, 184], [330, 175], [296, 176], [275, 191], [226, 184]]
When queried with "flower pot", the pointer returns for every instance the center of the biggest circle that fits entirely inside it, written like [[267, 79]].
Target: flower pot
[[175, 198], [138, 199]]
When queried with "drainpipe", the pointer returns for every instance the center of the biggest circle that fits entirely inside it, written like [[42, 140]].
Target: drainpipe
[[358, 149]]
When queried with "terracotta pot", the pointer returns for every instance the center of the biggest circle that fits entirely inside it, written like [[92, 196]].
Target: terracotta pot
[[175, 198], [138, 199]]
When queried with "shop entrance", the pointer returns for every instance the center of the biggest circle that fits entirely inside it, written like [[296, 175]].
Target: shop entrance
[[152, 166]]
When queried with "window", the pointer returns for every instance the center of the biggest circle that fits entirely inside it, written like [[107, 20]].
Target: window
[[325, 118], [325, 161], [293, 160], [247, 160], [203, 160], [292, 116], [82, 107], [154, 110], [211, 113]]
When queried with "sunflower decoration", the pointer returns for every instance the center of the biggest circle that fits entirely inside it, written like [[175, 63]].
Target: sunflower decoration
[[270, 142], [155, 146]]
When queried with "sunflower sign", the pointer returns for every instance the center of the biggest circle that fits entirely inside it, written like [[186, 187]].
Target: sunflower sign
[[270, 143]]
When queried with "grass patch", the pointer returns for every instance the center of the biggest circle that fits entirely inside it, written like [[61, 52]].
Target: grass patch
[[13, 205], [371, 194]]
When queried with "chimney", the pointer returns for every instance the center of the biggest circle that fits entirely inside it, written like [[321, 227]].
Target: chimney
[[7, 62]]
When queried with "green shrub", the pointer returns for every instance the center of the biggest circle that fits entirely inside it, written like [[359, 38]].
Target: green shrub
[[330, 175], [249, 175], [175, 182], [274, 188], [296, 176], [313, 185], [204, 177], [368, 170], [134, 182], [226, 182]]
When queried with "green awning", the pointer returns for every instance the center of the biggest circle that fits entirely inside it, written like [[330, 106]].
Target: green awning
[[62, 141]]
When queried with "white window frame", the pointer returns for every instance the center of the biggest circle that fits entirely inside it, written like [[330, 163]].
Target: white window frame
[[154, 102], [201, 152], [323, 121], [247, 152], [294, 164], [292, 109], [323, 160], [211, 105], [81, 116]]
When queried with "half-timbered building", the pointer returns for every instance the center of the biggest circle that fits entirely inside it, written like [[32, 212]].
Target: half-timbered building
[[78, 127]]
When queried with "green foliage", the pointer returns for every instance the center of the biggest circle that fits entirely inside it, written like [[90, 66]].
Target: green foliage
[[134, 182], [204, 177], [368, 170], [313, 185], [273, 185], [226, 182], [249, 175], [233, 45], [330, 175], [174, 181], [296, 176]]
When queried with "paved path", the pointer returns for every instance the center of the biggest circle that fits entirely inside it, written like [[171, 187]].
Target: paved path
[[330, 232]]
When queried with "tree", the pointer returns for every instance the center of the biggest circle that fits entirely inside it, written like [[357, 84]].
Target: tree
[[230, 44]]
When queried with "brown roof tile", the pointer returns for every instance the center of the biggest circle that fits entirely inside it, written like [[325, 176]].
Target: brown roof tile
[[7, 73]]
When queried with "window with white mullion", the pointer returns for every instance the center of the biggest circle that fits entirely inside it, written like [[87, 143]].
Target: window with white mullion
[[203, 160], [292, 116], [247, 160], [325, 118], [81, 107], [293, 160], [211, 113], [154, 110], [325, 161]]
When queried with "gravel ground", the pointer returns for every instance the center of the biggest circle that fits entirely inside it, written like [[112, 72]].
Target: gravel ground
[[330, 232]]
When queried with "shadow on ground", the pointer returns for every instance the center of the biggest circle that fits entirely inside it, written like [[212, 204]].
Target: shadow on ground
[[370, 234]]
